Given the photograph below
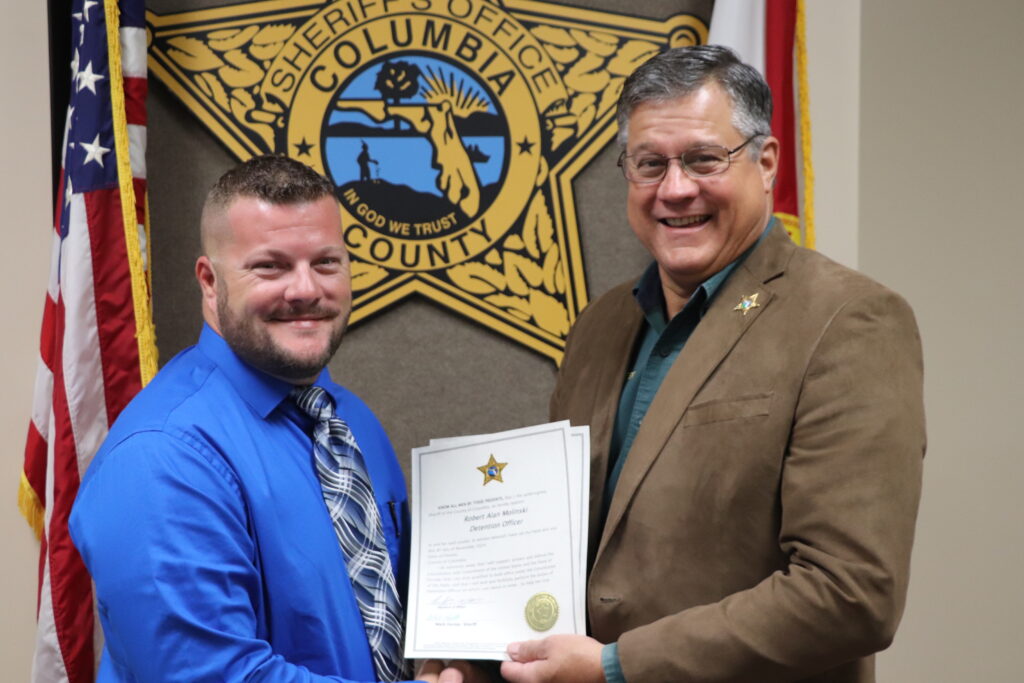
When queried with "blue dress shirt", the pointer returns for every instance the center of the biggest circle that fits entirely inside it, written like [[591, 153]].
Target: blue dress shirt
[[202, 523]]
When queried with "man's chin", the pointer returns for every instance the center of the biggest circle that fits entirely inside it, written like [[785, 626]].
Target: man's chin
[[294, 368], [308, 360], [303, 356], [296, 373], [303, 349], [286, 362]]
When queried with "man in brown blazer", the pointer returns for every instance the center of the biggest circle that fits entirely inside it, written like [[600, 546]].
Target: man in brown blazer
[[756, 418]]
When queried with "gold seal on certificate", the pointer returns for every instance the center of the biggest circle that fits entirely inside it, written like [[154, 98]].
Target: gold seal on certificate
[[541, 611]]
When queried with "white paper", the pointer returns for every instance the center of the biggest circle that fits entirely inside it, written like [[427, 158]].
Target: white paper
[[485, 543]]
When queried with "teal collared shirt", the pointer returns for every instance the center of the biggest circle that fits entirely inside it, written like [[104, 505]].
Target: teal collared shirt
[[660, 342], [658, 347]]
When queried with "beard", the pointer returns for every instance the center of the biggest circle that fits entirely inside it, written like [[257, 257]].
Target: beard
[[251, 341]]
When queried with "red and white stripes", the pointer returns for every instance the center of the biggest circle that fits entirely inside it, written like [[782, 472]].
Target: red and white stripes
[[89, 365]]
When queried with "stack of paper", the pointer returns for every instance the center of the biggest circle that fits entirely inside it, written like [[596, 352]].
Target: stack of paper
[[499, 541]]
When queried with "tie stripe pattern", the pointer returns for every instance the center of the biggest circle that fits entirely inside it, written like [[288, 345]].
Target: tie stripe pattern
[[353, 509]]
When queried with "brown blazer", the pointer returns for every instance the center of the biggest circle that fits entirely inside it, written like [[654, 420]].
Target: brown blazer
[[762, 524]]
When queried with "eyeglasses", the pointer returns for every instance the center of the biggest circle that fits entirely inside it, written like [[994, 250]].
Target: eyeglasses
[[646, 168]]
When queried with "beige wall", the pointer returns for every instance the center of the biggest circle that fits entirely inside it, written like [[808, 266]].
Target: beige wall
[[916, 109], [833, 46], [941, 107], [25, 197]]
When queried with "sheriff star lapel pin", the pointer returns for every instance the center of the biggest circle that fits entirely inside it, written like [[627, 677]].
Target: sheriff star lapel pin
[[747, 303]]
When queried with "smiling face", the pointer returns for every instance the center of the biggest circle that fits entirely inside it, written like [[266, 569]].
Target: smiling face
[[694, 227], [276, 284]]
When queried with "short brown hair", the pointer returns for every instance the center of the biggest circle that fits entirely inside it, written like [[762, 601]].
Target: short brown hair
[[272, 178]]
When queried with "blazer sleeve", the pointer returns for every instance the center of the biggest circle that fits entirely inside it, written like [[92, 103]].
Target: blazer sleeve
[[849, 492]]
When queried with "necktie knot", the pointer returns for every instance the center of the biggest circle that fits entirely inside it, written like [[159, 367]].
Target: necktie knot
[[314, 401]]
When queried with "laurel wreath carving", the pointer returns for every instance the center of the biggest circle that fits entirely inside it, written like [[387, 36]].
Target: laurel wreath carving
[[366, 275], [593, 66], [228, 66], [524, 276]]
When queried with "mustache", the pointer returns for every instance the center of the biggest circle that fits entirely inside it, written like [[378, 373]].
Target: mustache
[[314, 311]]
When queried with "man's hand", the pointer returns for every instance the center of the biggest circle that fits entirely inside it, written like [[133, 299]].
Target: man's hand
[[460, 671], [566, 659]]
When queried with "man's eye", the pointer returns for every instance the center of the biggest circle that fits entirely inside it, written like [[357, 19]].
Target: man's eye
[[650, 162], [266, 267], [705, 158]]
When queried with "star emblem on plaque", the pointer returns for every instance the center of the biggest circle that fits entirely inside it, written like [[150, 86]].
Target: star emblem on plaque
[[451, 129], [492, 471]]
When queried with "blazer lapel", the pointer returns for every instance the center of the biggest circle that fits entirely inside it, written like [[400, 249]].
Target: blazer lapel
[[714, 338], [621, 333]]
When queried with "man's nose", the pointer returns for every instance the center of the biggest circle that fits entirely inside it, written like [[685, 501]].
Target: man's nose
[[302, 285], [677, 185]]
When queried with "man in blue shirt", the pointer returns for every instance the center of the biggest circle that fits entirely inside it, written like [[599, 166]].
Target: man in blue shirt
[[202, 519]]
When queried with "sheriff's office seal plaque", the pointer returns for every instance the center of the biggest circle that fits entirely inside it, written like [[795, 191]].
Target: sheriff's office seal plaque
[[452, 130]]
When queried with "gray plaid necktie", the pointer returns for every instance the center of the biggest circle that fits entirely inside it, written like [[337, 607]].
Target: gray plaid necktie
[[350, 502]]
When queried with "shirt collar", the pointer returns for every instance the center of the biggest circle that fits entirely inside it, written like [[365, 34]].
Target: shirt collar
[[262, 392], [649, 295]]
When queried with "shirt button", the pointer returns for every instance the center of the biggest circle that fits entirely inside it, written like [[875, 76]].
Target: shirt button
[[663, 353]]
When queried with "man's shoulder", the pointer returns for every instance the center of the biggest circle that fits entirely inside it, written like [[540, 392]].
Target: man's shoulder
[[604, 330], [810, 297], [814, 277], [185, 395], [170, 426], [179, 381], [809, 280]]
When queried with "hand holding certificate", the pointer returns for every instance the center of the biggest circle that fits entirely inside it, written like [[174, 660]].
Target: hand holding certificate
[[499, 541]]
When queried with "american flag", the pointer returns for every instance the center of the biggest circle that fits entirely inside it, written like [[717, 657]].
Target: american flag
[[769, 35], [97, 345]]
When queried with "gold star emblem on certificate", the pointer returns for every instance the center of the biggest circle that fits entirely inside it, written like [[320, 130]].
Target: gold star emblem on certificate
[[492, 470], [747, 303]]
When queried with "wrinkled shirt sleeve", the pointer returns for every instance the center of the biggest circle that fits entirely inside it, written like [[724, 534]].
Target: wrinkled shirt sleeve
[[177, 580]]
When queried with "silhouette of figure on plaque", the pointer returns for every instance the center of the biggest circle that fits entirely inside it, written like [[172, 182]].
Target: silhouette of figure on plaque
[[364, 162]]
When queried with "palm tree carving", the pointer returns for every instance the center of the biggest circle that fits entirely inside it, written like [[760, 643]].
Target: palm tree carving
[[397, 80], [446, 101]]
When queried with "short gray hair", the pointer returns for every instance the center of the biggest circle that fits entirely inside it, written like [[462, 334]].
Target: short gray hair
[[679, 72]]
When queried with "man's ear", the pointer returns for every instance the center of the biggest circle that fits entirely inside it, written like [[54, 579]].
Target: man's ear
[[769, 162], [206, 275]]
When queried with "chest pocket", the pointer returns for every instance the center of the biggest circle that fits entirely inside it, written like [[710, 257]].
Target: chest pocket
[[391, 516], [725, 409]]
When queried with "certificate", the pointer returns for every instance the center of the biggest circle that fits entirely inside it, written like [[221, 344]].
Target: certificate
[[498, 541]]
